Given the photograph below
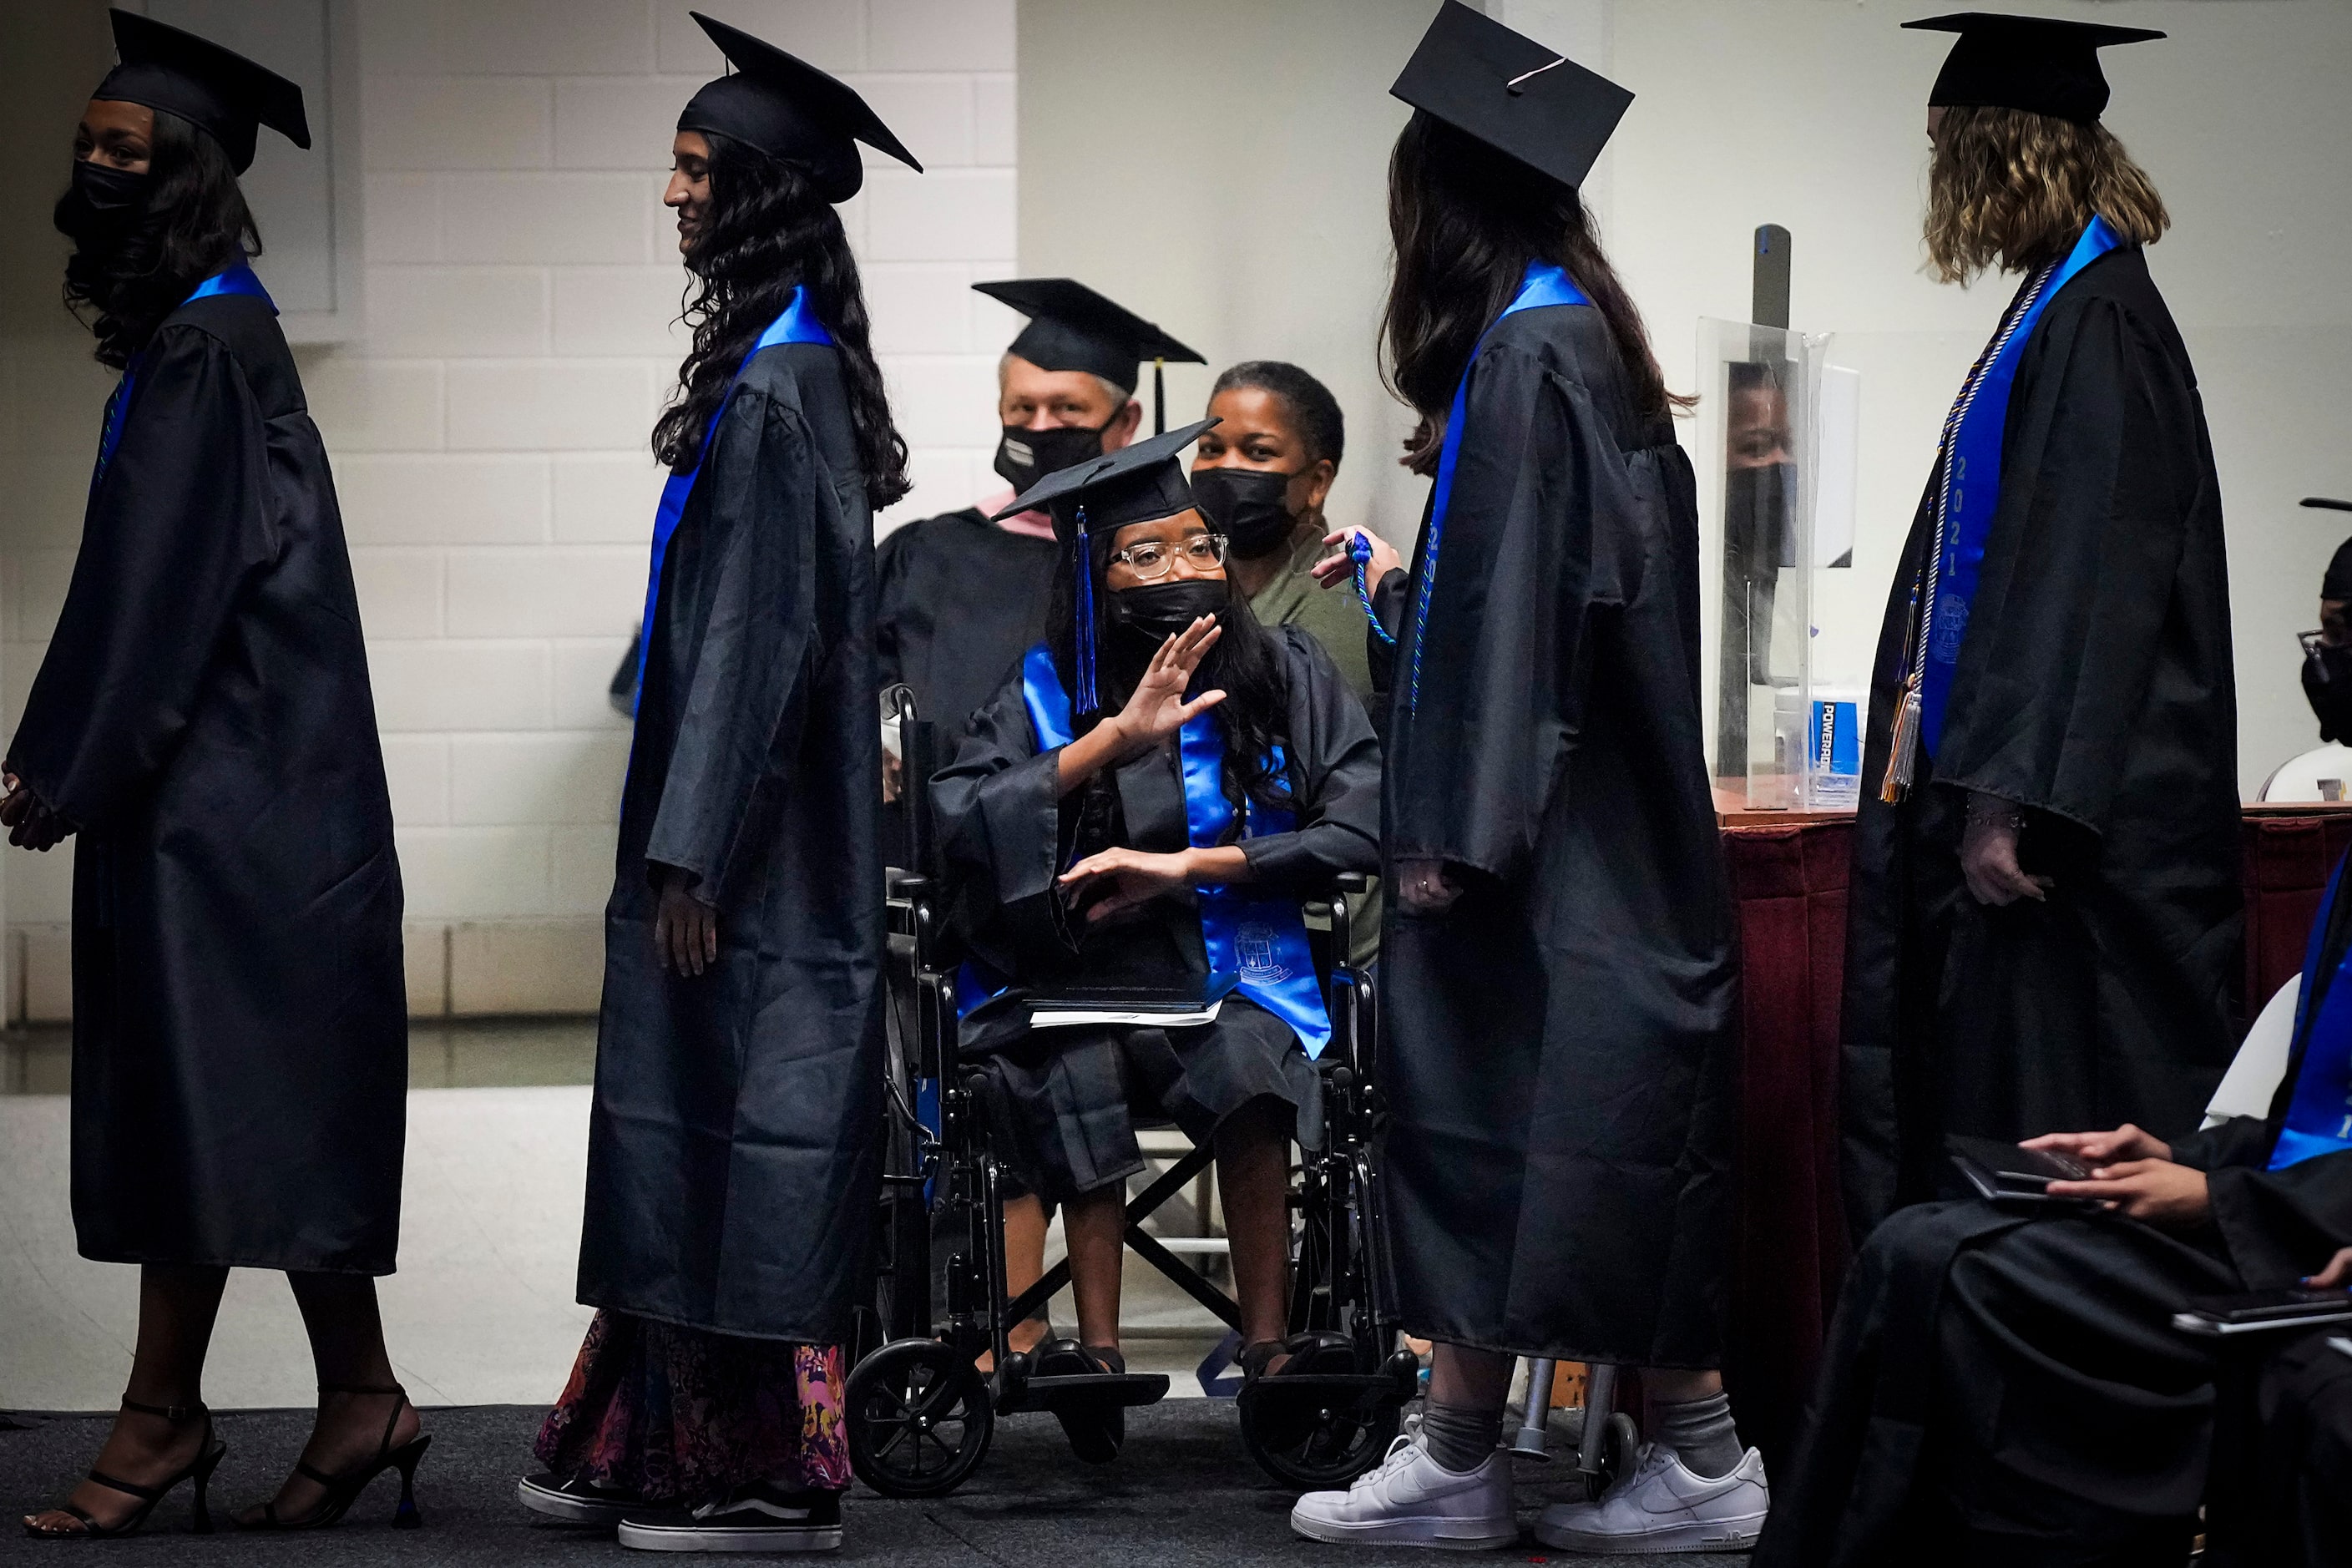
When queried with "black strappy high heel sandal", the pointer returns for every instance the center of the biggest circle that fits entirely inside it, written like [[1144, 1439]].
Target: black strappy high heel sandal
[[199, 1470], [344, 1490]]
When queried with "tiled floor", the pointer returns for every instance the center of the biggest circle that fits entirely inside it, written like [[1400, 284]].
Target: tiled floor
[[481, 1311]]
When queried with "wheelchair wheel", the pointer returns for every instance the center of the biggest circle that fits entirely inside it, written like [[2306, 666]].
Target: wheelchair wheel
[[1314, 1439], [1621, 1443], [919, 1419]]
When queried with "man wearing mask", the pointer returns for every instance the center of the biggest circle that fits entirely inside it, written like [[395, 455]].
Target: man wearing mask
[[962, 598]]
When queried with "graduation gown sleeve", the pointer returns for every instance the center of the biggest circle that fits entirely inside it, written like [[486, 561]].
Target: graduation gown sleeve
[[2103, 462], [1336, 771], [182, 521], [748, 689]]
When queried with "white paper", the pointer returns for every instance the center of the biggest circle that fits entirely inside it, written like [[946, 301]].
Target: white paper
[[1070, 1017]]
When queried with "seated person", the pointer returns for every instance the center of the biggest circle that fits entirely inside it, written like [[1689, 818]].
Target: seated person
[[2003, 1384], [2301, 1512], [1110, 828]]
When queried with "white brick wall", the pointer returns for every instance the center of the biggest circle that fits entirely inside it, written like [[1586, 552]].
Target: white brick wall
[[488, 432]]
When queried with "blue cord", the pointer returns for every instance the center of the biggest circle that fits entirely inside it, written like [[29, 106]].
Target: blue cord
[[1360, 549]]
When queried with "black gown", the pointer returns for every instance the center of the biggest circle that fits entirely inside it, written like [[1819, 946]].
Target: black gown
[[240, 1060], [2004, 1386], [1560, 1060], [733, 1153], [1066, 1100], [958, 601], [2093, 688]]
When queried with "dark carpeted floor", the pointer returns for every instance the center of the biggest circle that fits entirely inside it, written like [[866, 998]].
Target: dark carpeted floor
[[1183, 1494]]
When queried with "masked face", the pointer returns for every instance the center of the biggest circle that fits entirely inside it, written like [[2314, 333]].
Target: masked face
[[1025, 456], [1755, 517], [1251, 506], [1157, 611], [102, 204]]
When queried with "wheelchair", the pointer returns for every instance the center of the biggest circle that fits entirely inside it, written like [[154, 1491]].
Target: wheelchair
[[921, 1415]]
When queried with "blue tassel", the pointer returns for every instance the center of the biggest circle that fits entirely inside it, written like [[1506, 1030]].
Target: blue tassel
[[1087, 701]]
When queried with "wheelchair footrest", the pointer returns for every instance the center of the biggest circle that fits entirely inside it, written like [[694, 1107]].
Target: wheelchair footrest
[[1084, 1391]]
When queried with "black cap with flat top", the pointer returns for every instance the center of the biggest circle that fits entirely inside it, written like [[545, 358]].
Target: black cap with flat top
[[2038, 64], [1141, 482], [1527, 101], [790, 111], [1071, 327], [218, 90]]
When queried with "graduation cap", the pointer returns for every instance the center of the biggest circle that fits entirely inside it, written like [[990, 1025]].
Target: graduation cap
[[1525, 100], [2034, 63], [790, 111], [1071, 327], [1142, 482], [218, 90]]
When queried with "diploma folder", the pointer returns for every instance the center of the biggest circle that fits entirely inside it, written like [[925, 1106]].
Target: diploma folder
[[2260, 1312], [1163, 1009]]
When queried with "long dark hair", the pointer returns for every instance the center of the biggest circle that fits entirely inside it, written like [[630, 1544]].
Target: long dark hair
[[770, 232], [194, 222], [1466, 221], [1255, 716]]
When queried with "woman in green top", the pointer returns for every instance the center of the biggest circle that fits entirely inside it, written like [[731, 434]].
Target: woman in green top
[[1261, 477]]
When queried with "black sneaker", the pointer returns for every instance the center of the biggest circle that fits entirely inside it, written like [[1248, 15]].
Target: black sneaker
[[576, 1502], [754, 1517]]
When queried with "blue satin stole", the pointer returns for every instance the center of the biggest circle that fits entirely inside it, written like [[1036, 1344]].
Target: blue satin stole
[[1543, 285], [1970, 491], [236, 279], [2319, 1115], [1255, 945], [798, 324]]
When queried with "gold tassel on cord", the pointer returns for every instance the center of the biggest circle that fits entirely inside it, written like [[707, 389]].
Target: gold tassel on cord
[[1902, 746]]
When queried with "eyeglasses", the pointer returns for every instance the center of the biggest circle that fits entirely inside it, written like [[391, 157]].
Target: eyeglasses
[[1153, 559]]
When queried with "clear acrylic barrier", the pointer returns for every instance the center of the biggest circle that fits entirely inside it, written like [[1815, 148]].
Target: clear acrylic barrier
[[1769, 408]]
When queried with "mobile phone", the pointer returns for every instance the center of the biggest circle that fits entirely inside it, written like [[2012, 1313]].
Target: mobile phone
[[1998, 1170]]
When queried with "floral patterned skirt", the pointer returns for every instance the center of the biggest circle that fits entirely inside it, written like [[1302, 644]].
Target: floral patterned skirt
[[679, 1414]]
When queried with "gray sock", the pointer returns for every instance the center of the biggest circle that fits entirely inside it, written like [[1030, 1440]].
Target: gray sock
[[1461, 1436], [1700, 1430]]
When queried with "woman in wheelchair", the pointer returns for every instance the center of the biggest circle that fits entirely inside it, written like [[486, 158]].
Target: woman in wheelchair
[[1129, 827]]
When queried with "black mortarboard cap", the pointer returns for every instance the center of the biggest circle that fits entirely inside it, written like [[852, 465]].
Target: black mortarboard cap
[[790, 111], [2038, 64], [218, 90], [1525, 100], [1071, 327], [1090, 503]]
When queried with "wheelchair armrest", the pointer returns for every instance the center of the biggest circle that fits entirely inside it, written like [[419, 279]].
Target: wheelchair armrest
[[901, 884], [1355, 882]]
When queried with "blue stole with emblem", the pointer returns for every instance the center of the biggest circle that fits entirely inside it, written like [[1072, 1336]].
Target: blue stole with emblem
[[2319, 1115], [1543, 285], [1255, 945], [798, 324], [235, 279], [1971, 488]]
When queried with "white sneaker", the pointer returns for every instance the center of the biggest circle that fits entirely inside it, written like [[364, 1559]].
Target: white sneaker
[[1410, 1499], [1663, 1506]]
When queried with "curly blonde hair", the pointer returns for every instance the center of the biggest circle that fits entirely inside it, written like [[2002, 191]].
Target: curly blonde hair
[[2014, 188]]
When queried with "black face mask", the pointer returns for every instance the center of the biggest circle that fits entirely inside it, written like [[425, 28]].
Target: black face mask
[[102, 204], [1025, 456], [2327, 687], [1157, 611], [1248, 506], [1756, 518]]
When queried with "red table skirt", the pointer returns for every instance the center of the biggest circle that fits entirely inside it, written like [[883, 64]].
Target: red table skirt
[[1788, 886]]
